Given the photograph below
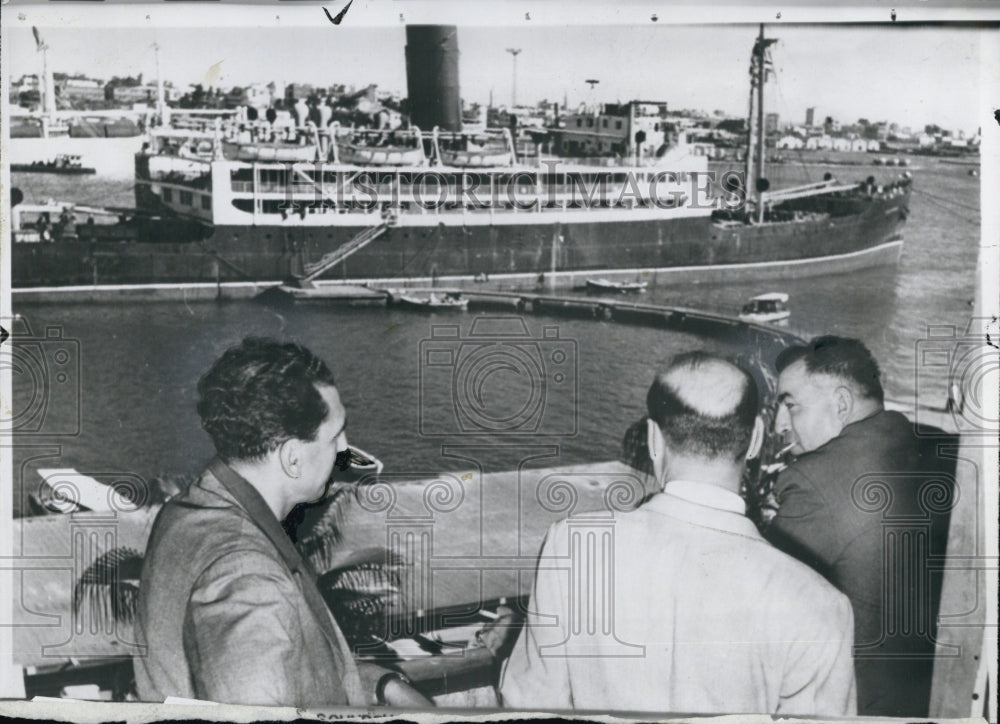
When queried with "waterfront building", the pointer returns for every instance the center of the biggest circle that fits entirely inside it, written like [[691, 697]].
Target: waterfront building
[[616, 129]]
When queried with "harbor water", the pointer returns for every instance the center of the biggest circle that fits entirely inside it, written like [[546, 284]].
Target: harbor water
[[566, 389]]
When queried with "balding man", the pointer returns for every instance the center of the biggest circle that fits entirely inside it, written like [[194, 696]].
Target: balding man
[[695, 613]]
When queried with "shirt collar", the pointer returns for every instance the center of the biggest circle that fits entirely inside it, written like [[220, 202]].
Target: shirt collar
[[711, 496]]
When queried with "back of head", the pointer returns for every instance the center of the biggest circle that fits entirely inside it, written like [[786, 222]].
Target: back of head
[[705, 406], [844, 358], [259, 394]]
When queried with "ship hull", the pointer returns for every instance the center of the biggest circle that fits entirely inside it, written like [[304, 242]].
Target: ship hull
[[560, 252]]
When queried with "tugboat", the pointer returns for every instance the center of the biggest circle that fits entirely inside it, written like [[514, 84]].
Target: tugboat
[[65, 163]]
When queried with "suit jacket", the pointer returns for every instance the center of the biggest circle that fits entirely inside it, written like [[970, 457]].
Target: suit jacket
[[680, 606], [230, 612], [852, 509]]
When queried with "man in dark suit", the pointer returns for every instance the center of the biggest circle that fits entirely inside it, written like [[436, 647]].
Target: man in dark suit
[[852, 506], [228, 610]]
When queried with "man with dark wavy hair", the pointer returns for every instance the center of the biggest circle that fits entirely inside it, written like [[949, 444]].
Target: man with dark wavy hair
[[228, 609], [680, 606], [852, 453]]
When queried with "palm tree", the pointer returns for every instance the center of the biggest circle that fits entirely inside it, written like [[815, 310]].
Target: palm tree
[[359, 586], [110, 586]]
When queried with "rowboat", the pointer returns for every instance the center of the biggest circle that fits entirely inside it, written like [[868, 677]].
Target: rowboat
[[605, 286], [433, 302]]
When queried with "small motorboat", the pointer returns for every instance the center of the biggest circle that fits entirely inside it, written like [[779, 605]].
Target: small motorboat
[[770, 307], [434, 302], [605, 286]]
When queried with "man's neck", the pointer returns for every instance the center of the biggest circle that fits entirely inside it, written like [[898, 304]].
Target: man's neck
[[719, 473], [261, 477], [863, 409]]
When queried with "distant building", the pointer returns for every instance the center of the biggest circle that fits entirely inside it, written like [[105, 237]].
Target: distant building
[[858, 144], [25, 83], [258, 95], [771, 123], [26, 90], [819, 143], [132, 94], [80, 89], [792, 143], [298, 91], [615, 129], [235, 97], [810, 116]]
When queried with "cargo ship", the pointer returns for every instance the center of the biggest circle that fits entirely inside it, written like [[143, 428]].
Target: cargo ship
[[428, 203]]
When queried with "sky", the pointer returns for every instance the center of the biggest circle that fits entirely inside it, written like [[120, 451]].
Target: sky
[[911, 75]]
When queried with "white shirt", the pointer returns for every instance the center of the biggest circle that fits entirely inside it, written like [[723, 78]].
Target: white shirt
[[680, 606]]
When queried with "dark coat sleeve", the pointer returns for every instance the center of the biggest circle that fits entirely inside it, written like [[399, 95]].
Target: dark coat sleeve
[[804, 526]]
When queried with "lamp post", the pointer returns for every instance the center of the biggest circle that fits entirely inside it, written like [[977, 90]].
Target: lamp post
[[513, 91]]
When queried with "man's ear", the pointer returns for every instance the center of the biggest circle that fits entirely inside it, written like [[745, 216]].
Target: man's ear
[[843, 399], [657, 448], [290, 457], [756, 438]]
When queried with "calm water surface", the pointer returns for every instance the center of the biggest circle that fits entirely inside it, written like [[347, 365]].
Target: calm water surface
[[577, 389]]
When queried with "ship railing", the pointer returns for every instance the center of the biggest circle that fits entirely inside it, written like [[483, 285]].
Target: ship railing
[[409, 208], [454, 197]]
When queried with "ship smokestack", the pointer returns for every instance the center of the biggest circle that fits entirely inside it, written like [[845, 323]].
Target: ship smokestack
[[432, 77]]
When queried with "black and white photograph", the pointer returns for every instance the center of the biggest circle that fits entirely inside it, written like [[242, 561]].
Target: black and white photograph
[[412, 358]]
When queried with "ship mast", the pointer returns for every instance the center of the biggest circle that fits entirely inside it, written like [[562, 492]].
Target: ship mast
[[755, 131], [48, 94]]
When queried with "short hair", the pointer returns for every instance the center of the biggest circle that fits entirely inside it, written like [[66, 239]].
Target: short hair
[[259, 394], [842, 357], [635, 448], [695, 431]]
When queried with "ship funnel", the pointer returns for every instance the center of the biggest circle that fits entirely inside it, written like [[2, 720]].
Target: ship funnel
[[432, 76]]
